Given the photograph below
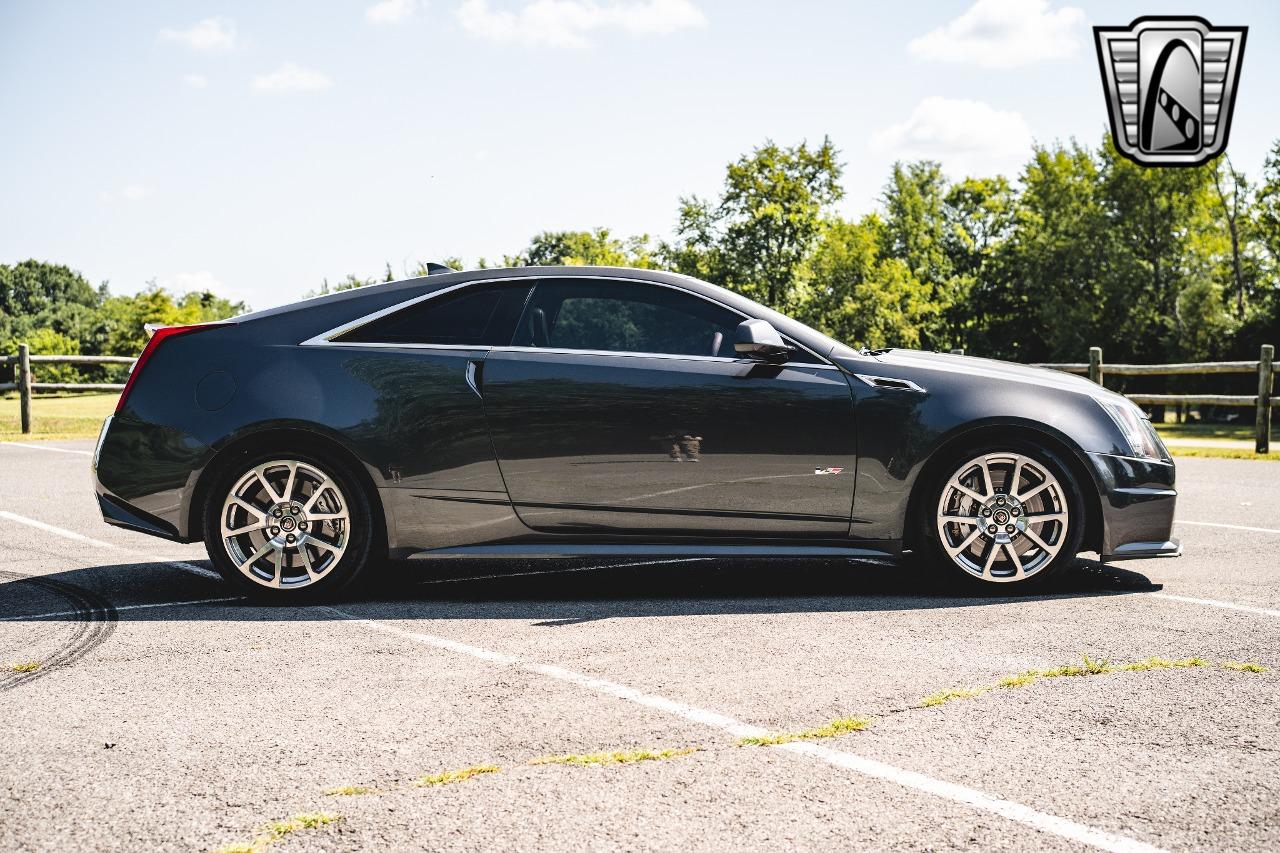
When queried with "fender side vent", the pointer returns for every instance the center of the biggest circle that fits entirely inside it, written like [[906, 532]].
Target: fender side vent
[[890, 384]]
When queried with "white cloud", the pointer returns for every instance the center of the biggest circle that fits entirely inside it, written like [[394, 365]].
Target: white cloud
[[211, 35], [390, 11], [184, 281], [195, 81], [129, 192], [1004, 34], [291, 78], [566, 23], [967, 137]]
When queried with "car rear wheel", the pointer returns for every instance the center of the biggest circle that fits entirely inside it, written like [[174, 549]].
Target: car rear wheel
[[288, 527], [1006, 514]]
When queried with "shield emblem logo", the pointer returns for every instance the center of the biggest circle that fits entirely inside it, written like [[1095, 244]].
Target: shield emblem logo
[[1170, 84]]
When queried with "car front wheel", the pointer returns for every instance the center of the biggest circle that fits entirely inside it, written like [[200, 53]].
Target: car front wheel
[[1006, 514], [288, 527]]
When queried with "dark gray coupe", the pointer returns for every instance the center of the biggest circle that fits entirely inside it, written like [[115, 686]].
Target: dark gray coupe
[[550, 411]]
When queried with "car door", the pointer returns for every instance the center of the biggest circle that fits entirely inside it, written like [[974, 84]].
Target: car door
[[621, 408], [423, 363]]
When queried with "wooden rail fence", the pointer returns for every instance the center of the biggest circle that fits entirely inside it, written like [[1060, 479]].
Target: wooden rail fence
[[25, 381], [1261, 402], [1094, 368]]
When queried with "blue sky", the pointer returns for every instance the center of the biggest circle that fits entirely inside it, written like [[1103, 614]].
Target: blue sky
[[257, 148]]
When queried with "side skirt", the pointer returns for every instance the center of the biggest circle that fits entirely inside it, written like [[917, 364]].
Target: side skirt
[[533, 550]]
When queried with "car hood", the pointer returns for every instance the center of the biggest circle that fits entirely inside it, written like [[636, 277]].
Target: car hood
[[913, 360]]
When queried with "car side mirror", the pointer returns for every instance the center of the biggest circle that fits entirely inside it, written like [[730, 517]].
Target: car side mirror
[[758, 339]]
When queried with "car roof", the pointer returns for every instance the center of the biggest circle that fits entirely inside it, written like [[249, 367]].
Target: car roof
[[314, 316]]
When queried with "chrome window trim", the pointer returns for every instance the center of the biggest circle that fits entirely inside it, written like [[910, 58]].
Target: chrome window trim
[[326, 338], [798, 365], [383, 345]]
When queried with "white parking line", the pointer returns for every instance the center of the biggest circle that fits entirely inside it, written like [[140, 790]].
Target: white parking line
[[1228, 526], [89, 540], [1209, 602], [56, 531], [43, 447], [972, 797], [118, 608]]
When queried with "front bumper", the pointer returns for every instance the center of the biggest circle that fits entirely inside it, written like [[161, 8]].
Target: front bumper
[[1138, 500]]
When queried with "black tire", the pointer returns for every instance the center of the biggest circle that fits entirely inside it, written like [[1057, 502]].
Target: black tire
[[363, 545], [1003, 573]]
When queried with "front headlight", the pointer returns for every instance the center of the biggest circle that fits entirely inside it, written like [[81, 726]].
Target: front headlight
[[1137, 430]]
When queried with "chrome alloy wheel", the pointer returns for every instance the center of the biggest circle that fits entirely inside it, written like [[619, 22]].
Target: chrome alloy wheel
[[1002, 517], [285, 524]]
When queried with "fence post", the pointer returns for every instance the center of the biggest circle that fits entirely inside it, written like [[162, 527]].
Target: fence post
[[1095, 365], [1262, 425], [24, 386]]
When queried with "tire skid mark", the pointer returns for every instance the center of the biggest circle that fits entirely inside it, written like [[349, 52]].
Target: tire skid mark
[[94, 621]]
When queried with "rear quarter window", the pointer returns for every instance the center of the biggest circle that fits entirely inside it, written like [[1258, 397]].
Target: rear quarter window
[[479, 315]]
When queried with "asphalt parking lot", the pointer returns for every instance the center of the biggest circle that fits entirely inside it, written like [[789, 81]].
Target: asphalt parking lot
[[145, 708]]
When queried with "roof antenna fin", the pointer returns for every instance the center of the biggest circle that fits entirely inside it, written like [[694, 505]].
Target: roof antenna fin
[[438, 269]]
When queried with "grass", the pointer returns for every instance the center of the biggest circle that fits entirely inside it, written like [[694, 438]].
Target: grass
[[348, 791], [624, 757], [1239, 666], [835, 728], [61, 416], [1225, 453], [1087, 666], [1163, 663], [449, 777], [25, 666], [951, 694], [1241, 430], [307, 820], [1226, 433], [1020, 680], [279, 829]]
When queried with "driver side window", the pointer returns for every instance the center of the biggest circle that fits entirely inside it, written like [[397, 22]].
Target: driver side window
[[610, 316]]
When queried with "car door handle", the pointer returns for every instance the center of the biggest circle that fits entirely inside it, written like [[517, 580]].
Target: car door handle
[[475, 376]]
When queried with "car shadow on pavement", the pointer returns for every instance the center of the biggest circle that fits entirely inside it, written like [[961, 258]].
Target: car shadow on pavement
[[554, 592]]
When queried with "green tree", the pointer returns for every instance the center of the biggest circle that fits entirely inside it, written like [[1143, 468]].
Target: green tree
[[1152, 214], [204, 306], [48, 342], [38, 295], [1267, 205], [757, 237], [1207, 322], [1264, 324], [351, 282], [859, 295], [979, 215], [127, 316], [919, 231], [32, 286], [1232, 190], [597, 247], [1039, 297]]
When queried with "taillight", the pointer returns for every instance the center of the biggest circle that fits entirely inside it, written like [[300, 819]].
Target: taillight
[[158, 337]]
